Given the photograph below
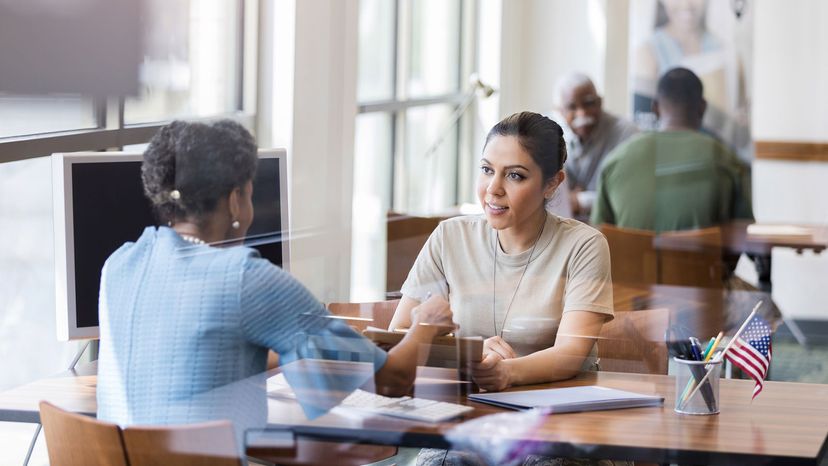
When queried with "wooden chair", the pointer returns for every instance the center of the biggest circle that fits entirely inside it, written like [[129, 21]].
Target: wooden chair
[[685, 258], [77, 440], [633, 257], [634, 342], [205, 444], [378, 314], [691, 258], [406, 237]]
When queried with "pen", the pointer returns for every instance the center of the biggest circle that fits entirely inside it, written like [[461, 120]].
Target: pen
[[694, 347], [707, 349], [708, 353], [698, 374], [713, 347]]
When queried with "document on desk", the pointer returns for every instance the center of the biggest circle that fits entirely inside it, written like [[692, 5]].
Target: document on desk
[[569, 400], [768, 229]]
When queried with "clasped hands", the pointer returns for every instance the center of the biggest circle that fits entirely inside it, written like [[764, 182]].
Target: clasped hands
[[493, 373]]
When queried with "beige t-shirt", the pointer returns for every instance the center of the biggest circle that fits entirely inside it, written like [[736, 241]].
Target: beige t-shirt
[[569, 270]]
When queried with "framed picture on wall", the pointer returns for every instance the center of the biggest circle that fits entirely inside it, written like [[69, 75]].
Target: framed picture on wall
[[714, 40]]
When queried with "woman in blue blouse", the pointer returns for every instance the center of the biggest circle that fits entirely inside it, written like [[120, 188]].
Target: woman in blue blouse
[[180, 318]]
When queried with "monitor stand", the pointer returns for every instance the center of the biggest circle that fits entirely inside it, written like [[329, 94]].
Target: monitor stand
[[79, 354]]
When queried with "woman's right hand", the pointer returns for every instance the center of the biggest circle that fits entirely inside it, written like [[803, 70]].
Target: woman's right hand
[[435, 314], [498, 347]]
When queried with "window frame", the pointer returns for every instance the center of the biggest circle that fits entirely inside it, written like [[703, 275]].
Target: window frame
[[399, 103]]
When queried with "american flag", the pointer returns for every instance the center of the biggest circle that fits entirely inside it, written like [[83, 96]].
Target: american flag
[[751, 352]]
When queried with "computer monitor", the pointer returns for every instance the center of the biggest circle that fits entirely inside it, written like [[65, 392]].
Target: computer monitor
[[99, 204]]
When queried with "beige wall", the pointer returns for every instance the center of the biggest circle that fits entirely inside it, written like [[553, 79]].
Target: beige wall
[[544, 39], [791, 104]]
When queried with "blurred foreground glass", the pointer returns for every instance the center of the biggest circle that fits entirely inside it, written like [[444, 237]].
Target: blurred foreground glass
[[191, 67], [22, 115]]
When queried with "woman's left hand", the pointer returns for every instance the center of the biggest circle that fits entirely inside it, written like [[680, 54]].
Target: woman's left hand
[[492, 373]]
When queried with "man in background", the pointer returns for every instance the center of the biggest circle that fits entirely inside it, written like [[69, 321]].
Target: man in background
[[676, 178], [590, 134]]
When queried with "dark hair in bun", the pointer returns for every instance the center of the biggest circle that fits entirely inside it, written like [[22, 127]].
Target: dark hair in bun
[[188, 167], [541, 137]]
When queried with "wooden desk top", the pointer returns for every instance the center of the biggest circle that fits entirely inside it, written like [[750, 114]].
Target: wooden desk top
[[736, 239], [786, 424], [70, 390]]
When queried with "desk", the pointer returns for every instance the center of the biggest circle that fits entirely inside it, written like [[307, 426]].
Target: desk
[[786, 424], [736, 239]]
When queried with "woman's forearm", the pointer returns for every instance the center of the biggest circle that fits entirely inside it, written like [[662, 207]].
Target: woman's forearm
[[397, 375], [549, 365], [576, 337]]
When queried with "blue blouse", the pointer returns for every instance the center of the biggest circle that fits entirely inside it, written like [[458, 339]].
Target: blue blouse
[[179, 321]]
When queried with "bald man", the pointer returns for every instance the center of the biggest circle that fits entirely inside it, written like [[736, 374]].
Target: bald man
[[590, 134], [676, 178]]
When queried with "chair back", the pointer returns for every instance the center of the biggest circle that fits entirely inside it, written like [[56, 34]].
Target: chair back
[[406, 236], [362, 315], [684, 258], [633, 257], [77, 440], [634, 342], [206, 444], [691, 258]]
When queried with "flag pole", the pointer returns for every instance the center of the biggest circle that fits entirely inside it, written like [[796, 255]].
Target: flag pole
[[721, 355]]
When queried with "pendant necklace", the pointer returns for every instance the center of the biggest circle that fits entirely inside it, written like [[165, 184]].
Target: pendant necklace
[[494, 278]]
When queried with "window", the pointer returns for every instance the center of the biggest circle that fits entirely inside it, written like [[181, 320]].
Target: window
[[412, 70], [25, 115], [413, 64]]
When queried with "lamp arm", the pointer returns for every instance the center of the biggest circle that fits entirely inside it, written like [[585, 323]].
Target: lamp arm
[[455, 117]]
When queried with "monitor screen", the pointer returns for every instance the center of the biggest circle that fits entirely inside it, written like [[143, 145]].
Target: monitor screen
[[100, 205]]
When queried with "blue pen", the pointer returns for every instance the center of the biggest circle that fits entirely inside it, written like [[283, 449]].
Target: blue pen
[[695, 347]]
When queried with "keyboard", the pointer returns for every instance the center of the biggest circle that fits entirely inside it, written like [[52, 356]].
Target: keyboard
[[418, 409]]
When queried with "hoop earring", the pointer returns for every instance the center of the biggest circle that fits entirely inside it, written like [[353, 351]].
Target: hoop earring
[[235, 224]]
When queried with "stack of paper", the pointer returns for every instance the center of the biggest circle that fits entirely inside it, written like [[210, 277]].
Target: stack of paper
[[765, 229]]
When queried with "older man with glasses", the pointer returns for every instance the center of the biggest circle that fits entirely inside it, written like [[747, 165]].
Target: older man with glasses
[[590, 133]]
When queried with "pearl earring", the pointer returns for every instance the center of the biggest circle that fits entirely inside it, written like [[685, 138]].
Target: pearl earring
[[235, 224]]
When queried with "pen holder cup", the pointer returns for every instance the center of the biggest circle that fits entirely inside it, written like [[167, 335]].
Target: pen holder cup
[[690, 399]]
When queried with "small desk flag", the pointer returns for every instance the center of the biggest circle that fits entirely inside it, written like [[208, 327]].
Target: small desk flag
[[751, 352]]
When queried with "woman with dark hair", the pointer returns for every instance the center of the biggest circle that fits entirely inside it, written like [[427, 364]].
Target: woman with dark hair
[[536, 285], [180, 316]]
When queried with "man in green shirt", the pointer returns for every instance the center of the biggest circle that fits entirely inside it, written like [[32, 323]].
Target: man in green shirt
[[676, 178]]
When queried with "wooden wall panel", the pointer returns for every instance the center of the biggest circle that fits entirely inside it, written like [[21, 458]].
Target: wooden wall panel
[[793, 151]]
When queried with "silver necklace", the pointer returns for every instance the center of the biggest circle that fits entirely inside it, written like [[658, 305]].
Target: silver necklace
[[192, 239], [494, 278]]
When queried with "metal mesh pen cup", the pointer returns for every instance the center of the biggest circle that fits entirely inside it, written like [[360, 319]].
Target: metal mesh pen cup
[[690, 399]]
